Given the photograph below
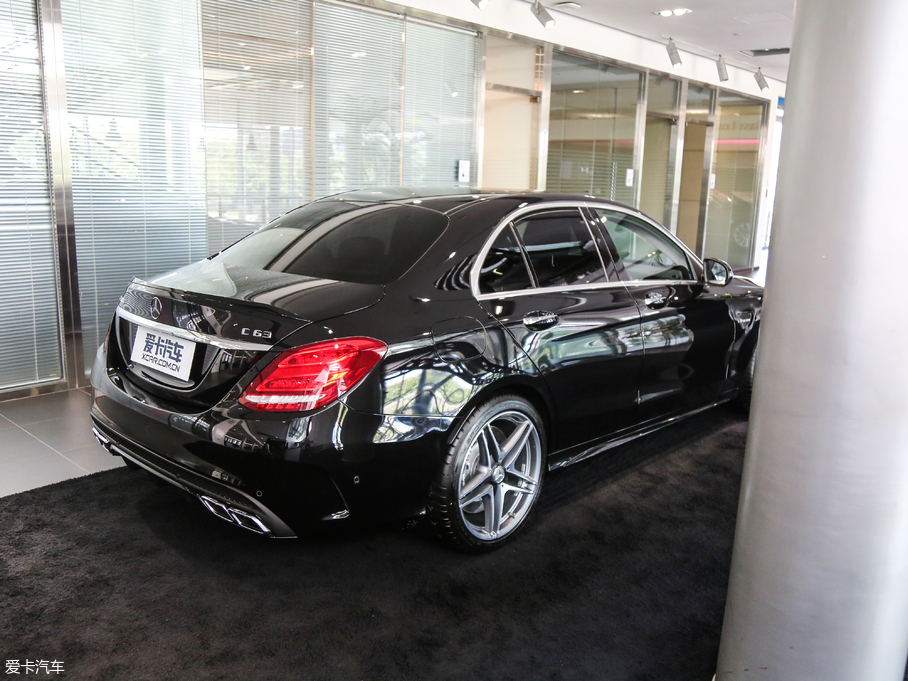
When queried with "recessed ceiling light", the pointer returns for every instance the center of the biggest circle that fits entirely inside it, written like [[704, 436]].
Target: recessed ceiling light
[[577, 92], [680, 11]]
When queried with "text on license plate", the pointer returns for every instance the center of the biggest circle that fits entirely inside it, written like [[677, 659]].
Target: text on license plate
[[168, 354]]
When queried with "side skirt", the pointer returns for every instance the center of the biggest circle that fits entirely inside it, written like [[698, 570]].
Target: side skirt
[[649, 428]]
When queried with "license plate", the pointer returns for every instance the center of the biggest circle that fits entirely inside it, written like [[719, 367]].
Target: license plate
[[168, 354]]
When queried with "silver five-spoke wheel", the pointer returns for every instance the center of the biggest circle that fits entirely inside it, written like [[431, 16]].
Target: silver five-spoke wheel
[[500, 475], [492, 476]]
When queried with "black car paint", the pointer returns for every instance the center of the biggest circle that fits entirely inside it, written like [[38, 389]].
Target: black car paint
[[373, 454]]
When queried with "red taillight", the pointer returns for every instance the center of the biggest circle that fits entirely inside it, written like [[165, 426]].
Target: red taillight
[[312, 376]]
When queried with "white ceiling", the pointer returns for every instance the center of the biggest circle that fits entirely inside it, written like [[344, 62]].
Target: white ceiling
[[713, 27]]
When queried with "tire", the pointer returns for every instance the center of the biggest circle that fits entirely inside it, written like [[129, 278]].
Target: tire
[[746, 389], [491, 477]]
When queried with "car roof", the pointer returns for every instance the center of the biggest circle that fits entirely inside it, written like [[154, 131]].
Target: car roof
[[450, 199]]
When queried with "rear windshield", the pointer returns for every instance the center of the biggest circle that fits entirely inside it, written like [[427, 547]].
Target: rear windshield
[[373, 244]]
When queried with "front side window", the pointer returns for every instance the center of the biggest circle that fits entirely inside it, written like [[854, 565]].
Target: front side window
[[647, 253], [561, 249]]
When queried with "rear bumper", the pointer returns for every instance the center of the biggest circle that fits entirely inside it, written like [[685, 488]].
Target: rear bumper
[[232, 505]]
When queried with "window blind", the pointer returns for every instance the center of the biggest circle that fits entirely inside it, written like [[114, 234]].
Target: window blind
[[441, 70], [30, 345], [258, 90], [592, 128], [137, 146], [358, 82]]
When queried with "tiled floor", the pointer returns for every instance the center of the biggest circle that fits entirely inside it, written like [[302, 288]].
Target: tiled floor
[[47, 439]]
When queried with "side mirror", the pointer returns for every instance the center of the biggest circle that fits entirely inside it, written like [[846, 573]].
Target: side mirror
[[717, 272]]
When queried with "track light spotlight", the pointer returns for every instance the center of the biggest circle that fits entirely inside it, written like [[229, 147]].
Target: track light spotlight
[[673, 53], [720, 67], [761, 81], [481, 4], [543, 15]]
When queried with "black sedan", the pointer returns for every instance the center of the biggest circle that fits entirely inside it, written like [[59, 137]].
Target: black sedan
[[386, 354]]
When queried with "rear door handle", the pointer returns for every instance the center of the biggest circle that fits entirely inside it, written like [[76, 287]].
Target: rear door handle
[[654, 300], [539, 319]]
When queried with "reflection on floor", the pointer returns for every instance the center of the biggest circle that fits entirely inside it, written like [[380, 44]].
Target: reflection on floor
[[47, 439]]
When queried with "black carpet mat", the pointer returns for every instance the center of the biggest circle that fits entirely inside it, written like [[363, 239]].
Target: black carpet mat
[[622, 575]]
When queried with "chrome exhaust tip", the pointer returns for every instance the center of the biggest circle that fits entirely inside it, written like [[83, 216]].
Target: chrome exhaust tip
[[101, 438], [234, 515]]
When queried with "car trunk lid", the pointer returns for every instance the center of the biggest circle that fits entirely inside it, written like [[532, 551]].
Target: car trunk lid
[[190, 335]]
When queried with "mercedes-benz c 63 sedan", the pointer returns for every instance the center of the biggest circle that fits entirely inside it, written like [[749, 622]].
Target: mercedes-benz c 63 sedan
[[385, 354]]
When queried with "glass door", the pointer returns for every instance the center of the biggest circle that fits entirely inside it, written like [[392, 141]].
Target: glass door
[[733, 189], [592, 128]]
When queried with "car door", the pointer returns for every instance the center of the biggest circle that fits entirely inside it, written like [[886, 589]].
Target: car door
[[688, 328], [546, 280]]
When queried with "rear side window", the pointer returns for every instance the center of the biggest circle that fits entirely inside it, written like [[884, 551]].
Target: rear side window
[[561, 249], [340, 241], [504, 268]]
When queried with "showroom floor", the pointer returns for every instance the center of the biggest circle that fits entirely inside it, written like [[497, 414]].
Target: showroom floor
[[47, 439]]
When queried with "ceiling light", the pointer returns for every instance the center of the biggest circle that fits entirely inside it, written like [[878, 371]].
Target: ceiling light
[[577, 92], [720, 67], [673, 53], [481, 4], [543, 15], [679, 12], [761, 81]]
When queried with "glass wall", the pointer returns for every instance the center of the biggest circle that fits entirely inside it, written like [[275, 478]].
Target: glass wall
[[301, 99], [592, 128], [735, 179], [441, 77], [30, 347], [136, 139], [257, 57], [192, 122]]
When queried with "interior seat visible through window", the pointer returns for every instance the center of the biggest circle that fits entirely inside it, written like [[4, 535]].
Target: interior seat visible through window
[[561, 249]]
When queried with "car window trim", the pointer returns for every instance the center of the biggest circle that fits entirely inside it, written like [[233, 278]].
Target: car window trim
[[634, 283], [509, 220]]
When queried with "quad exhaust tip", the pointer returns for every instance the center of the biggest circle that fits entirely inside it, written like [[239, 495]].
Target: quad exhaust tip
[[234, 515]]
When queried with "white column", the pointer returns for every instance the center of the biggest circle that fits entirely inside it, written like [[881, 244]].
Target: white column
[[819, 580]]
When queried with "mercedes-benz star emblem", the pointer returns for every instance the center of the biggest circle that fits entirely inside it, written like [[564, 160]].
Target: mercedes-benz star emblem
[[156, 308]]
